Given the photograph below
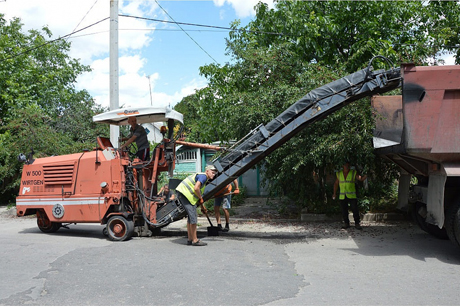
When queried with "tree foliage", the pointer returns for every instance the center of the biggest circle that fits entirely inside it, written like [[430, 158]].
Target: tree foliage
[[298, 46], [349, 33], [40, 108]]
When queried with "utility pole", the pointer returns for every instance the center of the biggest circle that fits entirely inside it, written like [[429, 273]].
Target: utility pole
[[150, 87], [114, 103]]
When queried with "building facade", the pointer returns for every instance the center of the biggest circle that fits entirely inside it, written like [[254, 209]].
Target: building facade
[[194, 160]]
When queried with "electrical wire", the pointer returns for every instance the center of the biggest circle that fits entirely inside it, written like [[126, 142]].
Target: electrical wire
[[177, 23], [205, 26], [152, 29], [85, 16], [241, 30], [51, 41], [186, 32]]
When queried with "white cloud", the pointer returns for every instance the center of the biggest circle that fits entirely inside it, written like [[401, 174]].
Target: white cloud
[[134, 87], [63, 17], [243, 8], [131, 64], [91, 45], [222, 14]]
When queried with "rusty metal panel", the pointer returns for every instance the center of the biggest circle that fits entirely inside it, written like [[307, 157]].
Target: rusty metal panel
[[431, 107], [388, 120], [447, 138]]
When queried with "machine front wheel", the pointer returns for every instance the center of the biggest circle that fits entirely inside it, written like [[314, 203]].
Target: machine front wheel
[[119, 228], [44, 223]]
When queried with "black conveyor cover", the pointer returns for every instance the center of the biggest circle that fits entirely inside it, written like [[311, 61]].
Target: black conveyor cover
[[296, 109], [330, 97]]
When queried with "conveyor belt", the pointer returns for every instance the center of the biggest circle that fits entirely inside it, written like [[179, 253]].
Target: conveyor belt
[[316, 105]]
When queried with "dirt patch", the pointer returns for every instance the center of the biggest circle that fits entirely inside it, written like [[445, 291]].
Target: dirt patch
[[262, 208], [8, 213]]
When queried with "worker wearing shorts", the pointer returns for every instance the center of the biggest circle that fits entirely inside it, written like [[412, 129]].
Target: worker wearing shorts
[[224, 200], [189, 193]]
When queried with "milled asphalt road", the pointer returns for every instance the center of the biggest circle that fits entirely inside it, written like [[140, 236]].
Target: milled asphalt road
[[256, 263]]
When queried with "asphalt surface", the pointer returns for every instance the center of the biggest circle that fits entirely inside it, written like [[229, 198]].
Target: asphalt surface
[[256, 263]]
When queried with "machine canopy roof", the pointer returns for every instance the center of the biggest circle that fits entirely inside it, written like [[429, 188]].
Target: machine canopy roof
[[120, 117]]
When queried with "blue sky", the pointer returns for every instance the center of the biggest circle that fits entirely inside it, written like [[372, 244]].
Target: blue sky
[[148, 50]]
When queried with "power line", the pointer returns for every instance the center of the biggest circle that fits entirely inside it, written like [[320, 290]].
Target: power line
[[186, 32], [52, 41], [204, 26], [85, 15], [146, 29], [177, 23]]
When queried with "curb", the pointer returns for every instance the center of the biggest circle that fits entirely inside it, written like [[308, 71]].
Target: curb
[[305, 217], [367, 217]]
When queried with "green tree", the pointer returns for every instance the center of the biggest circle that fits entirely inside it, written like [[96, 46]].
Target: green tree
[[39, 105], [187, 106], [349, 33], [298, 46], [34, 69]]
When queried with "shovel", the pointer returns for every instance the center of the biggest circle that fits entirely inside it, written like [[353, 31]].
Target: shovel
[[213, 231]]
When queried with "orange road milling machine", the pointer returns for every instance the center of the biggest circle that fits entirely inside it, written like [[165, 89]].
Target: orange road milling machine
[[104, 185]]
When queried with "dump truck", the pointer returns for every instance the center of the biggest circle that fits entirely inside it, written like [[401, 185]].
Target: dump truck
[[120, 192], [420, 132]]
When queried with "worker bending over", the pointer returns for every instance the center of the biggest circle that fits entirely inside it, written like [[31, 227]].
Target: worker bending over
[[190, 193]]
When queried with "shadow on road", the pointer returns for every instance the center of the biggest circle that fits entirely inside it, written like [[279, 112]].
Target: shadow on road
[[79, 230], [376, 240]]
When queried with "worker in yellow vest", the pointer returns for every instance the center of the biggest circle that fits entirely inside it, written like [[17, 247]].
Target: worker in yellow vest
[[189, 193], [346, 182]]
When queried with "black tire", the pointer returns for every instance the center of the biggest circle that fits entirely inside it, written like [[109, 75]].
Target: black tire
[[419, 218], [452, 223], [119, 228], [44, 223], [416, 217]]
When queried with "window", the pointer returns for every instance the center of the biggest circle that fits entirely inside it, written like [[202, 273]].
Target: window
[[187, 155]]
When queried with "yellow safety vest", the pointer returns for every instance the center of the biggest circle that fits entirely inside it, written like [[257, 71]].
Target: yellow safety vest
[[347, 186], [187, 188]]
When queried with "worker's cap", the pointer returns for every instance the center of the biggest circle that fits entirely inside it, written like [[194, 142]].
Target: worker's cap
[[211, 168]]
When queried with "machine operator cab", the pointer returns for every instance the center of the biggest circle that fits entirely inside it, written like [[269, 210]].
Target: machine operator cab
[[143, 115], [162, 157]]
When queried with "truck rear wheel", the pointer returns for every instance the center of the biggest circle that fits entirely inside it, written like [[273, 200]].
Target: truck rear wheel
[[419, 216], [453, 223], [44, 223], [119, 228]]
